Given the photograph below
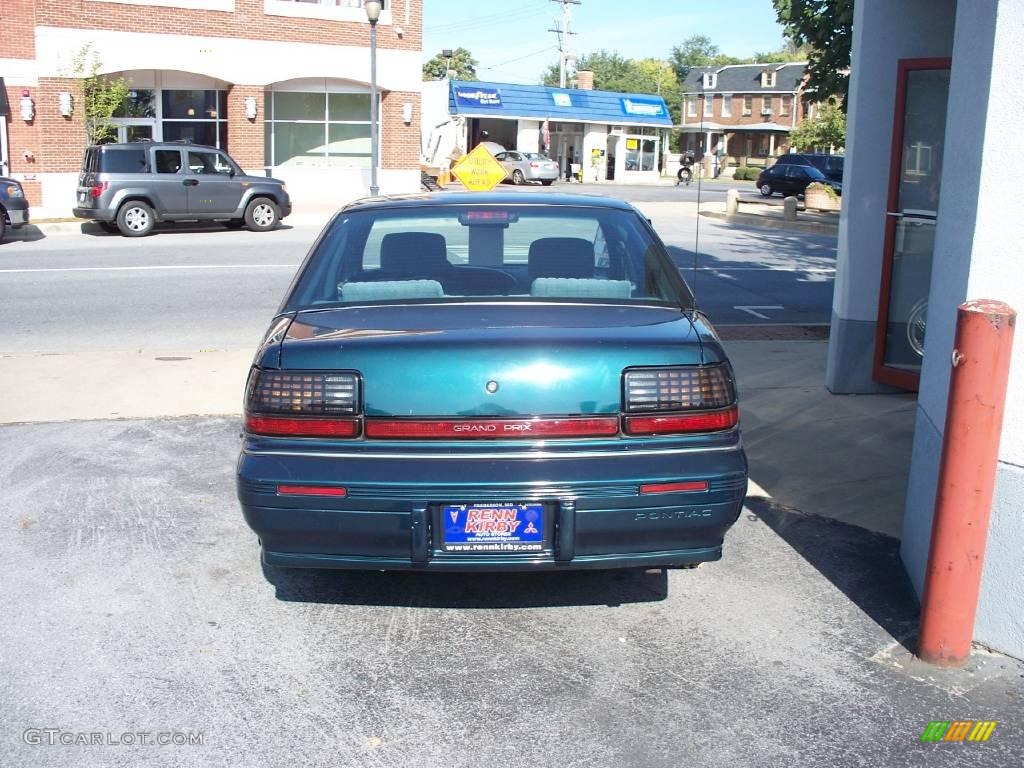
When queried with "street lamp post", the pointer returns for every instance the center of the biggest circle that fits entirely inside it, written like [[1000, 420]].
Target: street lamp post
[[373, 15]]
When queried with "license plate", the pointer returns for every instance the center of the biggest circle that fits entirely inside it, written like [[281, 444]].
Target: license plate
[[494, 528], [81, 197]]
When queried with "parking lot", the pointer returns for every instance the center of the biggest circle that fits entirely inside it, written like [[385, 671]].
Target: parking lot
[[136, 602]]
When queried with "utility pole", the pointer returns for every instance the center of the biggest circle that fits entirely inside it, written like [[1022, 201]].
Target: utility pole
[[563, 37]]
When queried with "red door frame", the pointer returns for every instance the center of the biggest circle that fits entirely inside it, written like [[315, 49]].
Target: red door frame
[[882, 373]]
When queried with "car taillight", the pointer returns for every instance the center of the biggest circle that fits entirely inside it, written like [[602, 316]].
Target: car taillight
[[303, 404], [680, 388], [683, 423], [679, 400], [98, 189]]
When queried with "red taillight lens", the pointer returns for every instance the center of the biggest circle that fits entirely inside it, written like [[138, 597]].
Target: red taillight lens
[[98, 189], [683, 423], [492, 429], [691, 487], [311, 490], [277, 426]]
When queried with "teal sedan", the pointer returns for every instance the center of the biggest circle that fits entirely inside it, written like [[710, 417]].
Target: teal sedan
[[471, 382]]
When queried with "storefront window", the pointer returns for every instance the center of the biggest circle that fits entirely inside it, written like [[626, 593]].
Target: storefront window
[[140, 102], [199, 116], [641, 152], [318, 129]]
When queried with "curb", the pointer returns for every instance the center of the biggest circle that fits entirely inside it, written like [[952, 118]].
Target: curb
[[758, 220]]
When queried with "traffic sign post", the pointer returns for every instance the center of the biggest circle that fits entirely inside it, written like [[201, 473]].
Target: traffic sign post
[[479, 171]]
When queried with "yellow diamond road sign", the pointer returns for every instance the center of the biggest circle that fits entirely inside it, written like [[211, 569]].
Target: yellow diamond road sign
[[479, 171]]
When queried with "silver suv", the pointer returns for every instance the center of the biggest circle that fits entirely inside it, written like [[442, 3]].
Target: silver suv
[[131, 187]]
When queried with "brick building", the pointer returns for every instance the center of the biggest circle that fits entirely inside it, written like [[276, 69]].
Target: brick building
[[282, 85], [743, 110]]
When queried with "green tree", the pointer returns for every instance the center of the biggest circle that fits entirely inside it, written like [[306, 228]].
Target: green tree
[[102, 95], [824, 131], [789, 52], [699, 51], [826, 27], [461, 61]]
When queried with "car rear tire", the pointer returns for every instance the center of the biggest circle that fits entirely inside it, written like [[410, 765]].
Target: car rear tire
[[547, 182], [3, 226], [766, 190], [518, 178], [135, 219], [262, 215], [234, 223]]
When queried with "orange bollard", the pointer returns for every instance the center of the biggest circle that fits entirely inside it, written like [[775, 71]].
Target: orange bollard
[[970, 450]]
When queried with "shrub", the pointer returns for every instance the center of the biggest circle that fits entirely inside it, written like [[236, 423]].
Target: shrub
[[826, 188]]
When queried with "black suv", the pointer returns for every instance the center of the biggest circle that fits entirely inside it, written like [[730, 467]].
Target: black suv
[[830, 165], [13, 205], [131, 187]]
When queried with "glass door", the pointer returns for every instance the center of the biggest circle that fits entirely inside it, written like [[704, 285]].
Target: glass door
[[919, 131]]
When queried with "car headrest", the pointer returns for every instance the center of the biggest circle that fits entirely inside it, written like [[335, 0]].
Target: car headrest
[[561, 257], [414, 253]]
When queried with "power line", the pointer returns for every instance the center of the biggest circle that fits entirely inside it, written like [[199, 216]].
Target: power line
[[562, 30], [488, 19], [545, 49]]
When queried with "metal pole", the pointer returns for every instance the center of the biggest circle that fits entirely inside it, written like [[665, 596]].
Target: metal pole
[[970, 451], [374, 129]]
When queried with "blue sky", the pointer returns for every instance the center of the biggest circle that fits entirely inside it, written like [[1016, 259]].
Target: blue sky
[[510, 40]]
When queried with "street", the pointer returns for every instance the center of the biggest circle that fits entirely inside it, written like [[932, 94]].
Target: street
[[206, 287]]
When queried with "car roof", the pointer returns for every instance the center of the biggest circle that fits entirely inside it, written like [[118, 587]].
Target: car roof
[[162, 144], [438, 199]]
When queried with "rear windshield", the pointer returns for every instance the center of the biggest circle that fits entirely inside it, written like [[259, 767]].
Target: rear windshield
[[488, 253], [126, 160]]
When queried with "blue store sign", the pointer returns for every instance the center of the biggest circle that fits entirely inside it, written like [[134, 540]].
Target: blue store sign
[[477, 97], [640, 107]]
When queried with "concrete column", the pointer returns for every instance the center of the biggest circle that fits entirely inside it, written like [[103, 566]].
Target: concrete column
[[771, 144], [976, 257], [881, 36]]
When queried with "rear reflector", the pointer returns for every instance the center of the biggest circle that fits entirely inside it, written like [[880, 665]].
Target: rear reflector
[[310, 490], [285, 427], [494, 429], [698, 485], [683, 423]]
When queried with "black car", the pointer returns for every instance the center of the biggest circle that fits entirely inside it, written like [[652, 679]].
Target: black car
[[13, 205], [830, 165], [792, 179]]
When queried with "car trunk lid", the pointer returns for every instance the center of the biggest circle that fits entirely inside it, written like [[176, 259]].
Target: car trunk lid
[[490, 359]]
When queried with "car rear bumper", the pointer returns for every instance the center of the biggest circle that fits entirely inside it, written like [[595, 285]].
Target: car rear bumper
[[88, 213], [539, 174], [391, 515]]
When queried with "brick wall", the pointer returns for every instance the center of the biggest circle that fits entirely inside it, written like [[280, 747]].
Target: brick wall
[[737, 117], [248, 22], [54, 142], [18, 39], [245, 137], [400, 143]]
